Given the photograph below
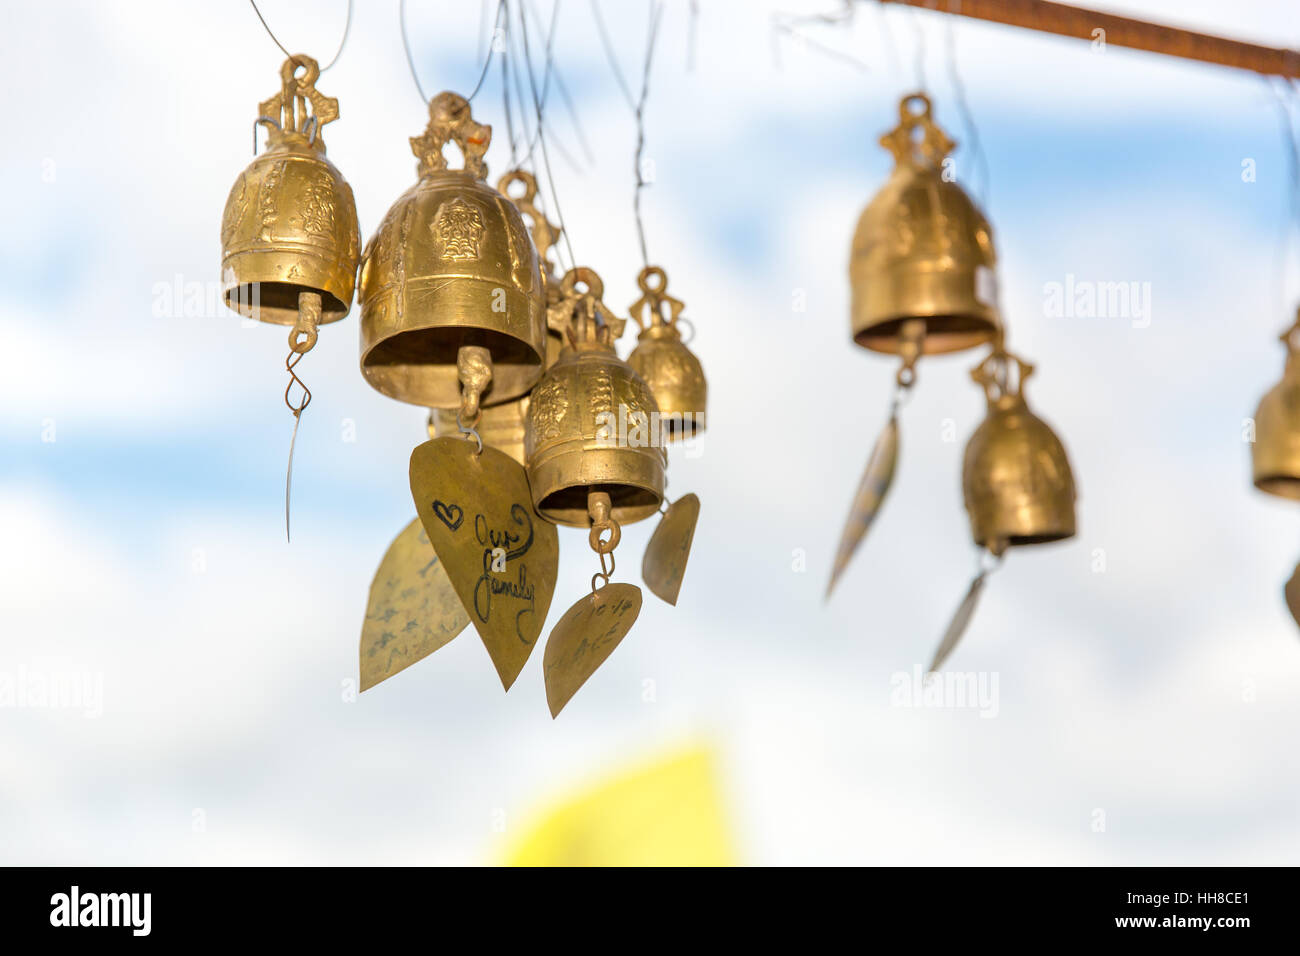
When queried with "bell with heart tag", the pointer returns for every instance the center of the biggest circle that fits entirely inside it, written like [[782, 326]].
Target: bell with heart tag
[[413, 609], [589, 631], [451, 277], [1016, 479], [589, 419], [672, 371], [476, 508]]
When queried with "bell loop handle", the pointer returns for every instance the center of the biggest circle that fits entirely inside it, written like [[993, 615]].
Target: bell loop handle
[[1002, 374], [298, 92], [1291, 339], [582, 314], [653, 282], [544, 232], [917, 140], [451, 120]]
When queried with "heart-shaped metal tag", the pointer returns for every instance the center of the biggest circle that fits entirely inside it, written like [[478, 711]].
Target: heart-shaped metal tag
[[413, 609], [585, 637], [501, 557], [664, 564]]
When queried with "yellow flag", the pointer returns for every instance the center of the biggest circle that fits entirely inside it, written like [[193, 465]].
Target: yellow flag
[[665, 813]]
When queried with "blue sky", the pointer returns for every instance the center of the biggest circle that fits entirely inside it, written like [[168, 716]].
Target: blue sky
[[145, 543]]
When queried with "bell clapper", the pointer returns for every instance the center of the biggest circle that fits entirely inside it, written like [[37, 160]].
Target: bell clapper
[[474, 369], [599, 509], [302, 339]]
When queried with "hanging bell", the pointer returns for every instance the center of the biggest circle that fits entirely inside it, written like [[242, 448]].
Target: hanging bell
[[290, 222], [545, 235], [672, 371], [589, 419], [922, 250], [1016, 478], [451, 268], [1275, 453]]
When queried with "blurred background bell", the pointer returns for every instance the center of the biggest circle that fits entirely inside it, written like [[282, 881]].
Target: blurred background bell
[[1016, 479], [588, 420], [500, 426], [922, 250], [1275, 453], [662, 359], [290, 222], [451, 266]]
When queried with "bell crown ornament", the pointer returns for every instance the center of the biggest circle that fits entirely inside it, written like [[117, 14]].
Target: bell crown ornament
[[672, 371], [1016, 479], [589, 419], [451, 267], [290, 222], [922, 249], [1275, 453]]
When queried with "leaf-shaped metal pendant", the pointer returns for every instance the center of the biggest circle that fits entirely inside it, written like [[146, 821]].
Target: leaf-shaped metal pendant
[[1292, 594], [501, 557], [664, 564], [585, 637], [957, 626], [871, 493], [413, 609]]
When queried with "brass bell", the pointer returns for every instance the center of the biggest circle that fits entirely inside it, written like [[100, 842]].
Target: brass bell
[[672, 371], [1275, 453], [1015, 477], [588, 426], [450, 268], [545, 235], [500, 426], [290, 222], [922, 250]]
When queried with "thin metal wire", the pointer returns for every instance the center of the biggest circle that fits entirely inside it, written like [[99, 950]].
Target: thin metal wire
[[406, 45], [546, 157], [347, 28], [609, 53], [656, 13], [968, 118], [552, 71], [492, 45], [292, 360]]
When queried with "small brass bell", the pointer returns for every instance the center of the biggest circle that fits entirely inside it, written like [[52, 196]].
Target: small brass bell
[[290, 222], [588, 427], [1275, 454], [922, 250], [545, 235], [1016, 479], [451, 268], [672, 371]]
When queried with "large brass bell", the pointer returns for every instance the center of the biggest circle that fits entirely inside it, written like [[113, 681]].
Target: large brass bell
[[922, 250], [290, 222], [1016, 479], [672, 371], [451, 268], [1275, 454], [588, 427]]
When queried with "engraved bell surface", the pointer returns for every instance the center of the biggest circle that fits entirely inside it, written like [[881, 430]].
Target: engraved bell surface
[[451, 266], [922, 249], [588, 426], [669, 367], [1016, 479], [290, 221]]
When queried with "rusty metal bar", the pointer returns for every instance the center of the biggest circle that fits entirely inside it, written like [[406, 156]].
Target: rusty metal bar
[[1069, 21]]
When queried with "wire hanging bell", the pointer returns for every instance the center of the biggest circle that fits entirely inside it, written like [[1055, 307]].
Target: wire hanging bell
[[1275, 453], [672, 371], [1016, 478], [451, 268], [290, 223], [588, 428], [922, 250]]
